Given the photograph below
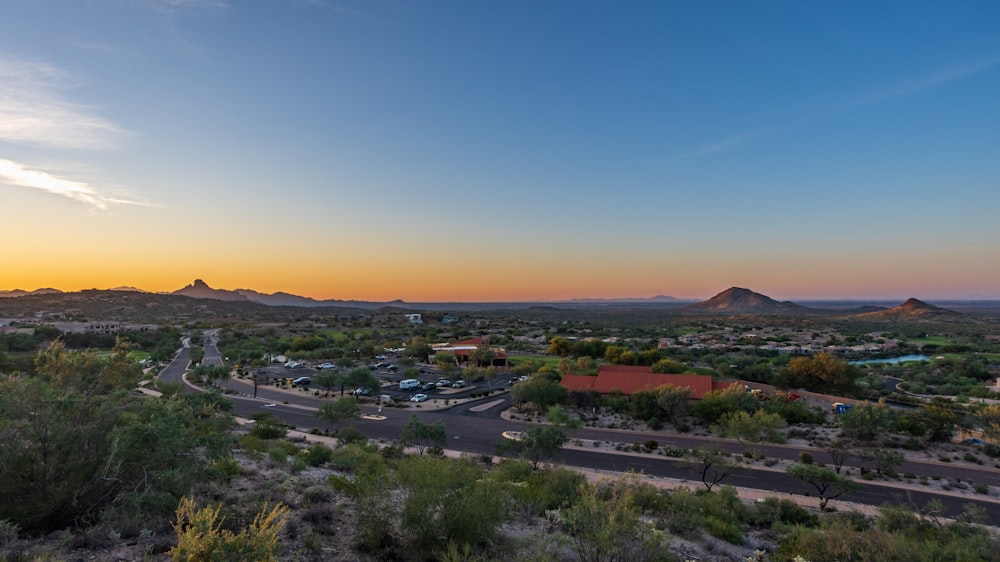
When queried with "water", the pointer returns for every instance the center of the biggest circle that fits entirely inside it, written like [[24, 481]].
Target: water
[[892, 360]]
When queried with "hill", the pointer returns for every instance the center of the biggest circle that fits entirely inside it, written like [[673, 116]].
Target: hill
[[737, 300], [912, 309], [22, 293], [200, 290]]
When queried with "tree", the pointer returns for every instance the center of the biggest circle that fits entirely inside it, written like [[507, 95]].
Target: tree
[[527, 367], [338, 411], [752, 430], [719, 402], [421, 435], [938, 420], [711, 464], [559, 346], [884, 460], [538, 390], [820, 372], [669, 366], [328, 380], [536, 443], [362, 377], [828, 484], [839, 450], [865, 420], [989, 418], [482, 356], [673, 401]]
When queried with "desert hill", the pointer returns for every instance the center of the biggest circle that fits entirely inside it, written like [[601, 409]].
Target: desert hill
[[912, 309], [737, 300]]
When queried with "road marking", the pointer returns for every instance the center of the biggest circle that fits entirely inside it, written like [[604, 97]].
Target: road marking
[[487, 406]]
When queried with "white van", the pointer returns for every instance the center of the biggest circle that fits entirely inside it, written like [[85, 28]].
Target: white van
[[407, 384]]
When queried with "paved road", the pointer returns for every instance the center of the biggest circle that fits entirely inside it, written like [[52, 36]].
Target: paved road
[[479, 432]]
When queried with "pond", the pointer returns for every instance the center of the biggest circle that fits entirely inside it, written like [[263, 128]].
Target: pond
[[893, 360]]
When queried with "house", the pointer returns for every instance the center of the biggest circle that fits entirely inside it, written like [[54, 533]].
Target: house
[[628, 379], [463, 348]]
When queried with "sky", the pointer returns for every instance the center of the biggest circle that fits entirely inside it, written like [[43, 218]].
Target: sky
[[502, 151]]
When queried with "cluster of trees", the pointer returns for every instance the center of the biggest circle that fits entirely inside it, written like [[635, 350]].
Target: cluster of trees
[[17, 351], [78, 446]]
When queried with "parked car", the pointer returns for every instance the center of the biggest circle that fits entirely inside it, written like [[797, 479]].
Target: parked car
[[443, 383], [392, 368], [325, 366], [458, 384], [429, 386], [302, 381], [362, 392], [418, 398]]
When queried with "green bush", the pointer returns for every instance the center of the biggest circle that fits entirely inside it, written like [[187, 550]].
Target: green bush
[[725, 530], [772, 511], [318, 455]]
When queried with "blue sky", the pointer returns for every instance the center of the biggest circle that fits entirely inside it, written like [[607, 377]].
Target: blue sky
[[503, 150]]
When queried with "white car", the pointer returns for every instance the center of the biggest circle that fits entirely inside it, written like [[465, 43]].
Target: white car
[[418, 398], [458, 384], [325, 366]]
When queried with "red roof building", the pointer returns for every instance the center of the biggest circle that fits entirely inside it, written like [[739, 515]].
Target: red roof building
[[628, 379]]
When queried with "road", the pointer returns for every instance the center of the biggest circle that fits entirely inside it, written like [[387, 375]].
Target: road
[[479, 432]]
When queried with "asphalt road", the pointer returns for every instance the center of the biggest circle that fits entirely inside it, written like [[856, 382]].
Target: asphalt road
[[479, 432]]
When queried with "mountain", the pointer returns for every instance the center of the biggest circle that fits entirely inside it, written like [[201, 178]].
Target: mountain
[[200, 290], [912, 309], [279, 298], [22, 293], [736, 300]]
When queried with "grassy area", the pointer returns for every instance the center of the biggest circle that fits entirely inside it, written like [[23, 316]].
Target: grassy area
[[549, 360]]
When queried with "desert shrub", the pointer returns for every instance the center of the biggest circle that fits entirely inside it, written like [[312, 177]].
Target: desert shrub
[[682, 512], [8, 532], [225, 468], [725, 530], [350, 435], [267, 426], [318, 454], [772, 511], [449, 499], [724, 503], [318, 494], [606, 525], [359, 459], [200, 536]]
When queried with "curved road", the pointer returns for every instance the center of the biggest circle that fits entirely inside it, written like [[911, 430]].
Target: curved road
[[478, 432]]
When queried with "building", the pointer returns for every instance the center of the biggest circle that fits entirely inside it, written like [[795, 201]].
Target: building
[[463, 348], [628, 379]]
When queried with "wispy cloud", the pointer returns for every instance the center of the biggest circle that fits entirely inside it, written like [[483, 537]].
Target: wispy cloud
[[719, 146], [16, 174], [931, 81], [901, 89], [33, 112]]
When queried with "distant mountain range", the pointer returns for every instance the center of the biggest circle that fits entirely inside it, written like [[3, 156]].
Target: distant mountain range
[[20, 293], [732, 301], [200, 290]]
